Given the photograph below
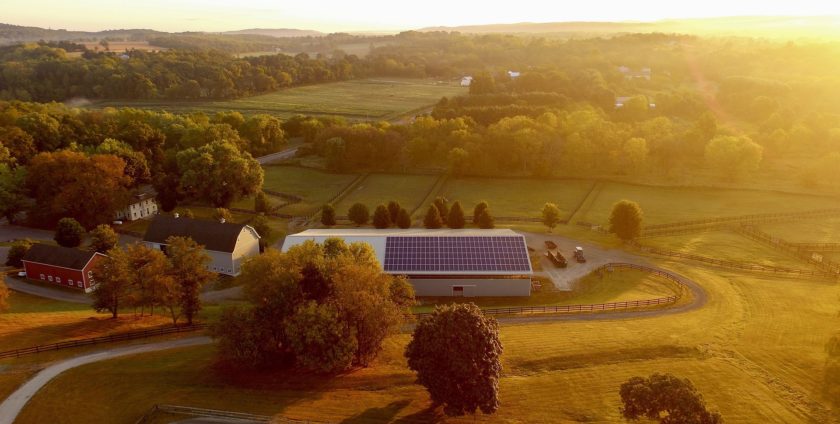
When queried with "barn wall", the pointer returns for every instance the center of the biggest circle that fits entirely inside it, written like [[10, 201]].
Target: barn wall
[[472, 287], [34, 271]]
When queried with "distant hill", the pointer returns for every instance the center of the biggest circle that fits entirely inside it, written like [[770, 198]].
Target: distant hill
[[278, 33], [764, 26], [10, 34]]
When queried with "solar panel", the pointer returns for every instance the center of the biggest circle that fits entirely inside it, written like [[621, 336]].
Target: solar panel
[[456, 254]]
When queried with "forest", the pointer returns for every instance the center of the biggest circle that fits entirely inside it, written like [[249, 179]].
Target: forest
[[536, 107]]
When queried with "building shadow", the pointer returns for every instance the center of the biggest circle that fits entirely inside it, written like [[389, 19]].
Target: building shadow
[[381, 414]]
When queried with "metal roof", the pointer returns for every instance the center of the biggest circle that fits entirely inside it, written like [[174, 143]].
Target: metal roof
[[435, 252], [213, 235], [65, 257]]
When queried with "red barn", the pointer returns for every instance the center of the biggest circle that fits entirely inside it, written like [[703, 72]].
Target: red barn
[[61, 266]]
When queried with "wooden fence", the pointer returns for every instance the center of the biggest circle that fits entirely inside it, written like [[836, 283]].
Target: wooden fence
[[593, 307], [133, 335], [753, 233]]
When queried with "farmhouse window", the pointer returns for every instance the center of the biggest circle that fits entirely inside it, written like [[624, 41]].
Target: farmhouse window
[[50, 278], [79, 284], [42, 277], [70, 282], [58, 280]]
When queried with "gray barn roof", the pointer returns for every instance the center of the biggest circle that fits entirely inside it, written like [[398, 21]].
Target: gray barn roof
[[213, 235], [58, 256]]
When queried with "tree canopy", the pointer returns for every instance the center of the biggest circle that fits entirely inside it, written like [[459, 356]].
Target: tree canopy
[[69, 233], [461, 373], [666, 398], [626, 220]]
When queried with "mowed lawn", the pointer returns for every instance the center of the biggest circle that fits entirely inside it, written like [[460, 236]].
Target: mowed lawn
[[674, 204], [726, 245], [517, 197], [376, 189], [32, 321], [313, 186], [365, 99], [755, 351]]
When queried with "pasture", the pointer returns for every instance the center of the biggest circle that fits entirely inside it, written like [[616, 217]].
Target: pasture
[[313, 186], [807, 231], [516, 197], [751, 351], [366, 99], [376, 189], [673, 204]]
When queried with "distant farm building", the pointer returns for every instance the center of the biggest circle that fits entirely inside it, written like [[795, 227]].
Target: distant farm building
[[621, 101], [513, 74], [141, 205], [443, 262], [466, 81], [629, 73], [62, 266], [227, 244]]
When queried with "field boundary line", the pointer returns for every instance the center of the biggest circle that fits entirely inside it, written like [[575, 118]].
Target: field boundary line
[[587, 201], [431, 193]]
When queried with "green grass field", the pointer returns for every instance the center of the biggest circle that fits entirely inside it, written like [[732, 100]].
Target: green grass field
[[823, 230], [315, 187], [516, 197], [673, 204], [755, 351], [725, 245], [376, 189], [366, 99]]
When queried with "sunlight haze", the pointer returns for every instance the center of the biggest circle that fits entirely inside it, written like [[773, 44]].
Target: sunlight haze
[[368, 15]]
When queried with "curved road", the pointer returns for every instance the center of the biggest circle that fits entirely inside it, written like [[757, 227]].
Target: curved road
[[11, 407]]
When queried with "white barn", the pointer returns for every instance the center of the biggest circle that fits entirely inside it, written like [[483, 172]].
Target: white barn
[[227, 244], [443, 262]]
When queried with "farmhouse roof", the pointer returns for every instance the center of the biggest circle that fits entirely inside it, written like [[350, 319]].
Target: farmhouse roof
[[65, 257], [213, 235]]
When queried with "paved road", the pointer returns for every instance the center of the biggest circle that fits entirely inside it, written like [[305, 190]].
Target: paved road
[[11, 407], [46, 292], [596, 256], [284, 154]]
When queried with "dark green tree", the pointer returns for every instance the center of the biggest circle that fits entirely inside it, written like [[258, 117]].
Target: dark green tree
[[665, 398], [394, 210], [189, 269], [314, 283], [403, 219], [359, 214], [17, 252], [381, 217], [432, 219], [485, 220], [461, 373], [550, 216], [328, 215], [442, 206], [103, 238], [261, 226], [456, 216], [69, 233], [261, 204], [479, 208], [626, 220]]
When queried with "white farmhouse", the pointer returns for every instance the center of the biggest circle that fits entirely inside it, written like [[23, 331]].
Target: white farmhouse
[[141, 205], [466, 81], [227, 244]]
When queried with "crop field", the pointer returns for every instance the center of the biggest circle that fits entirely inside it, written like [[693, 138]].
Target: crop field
[[516, 197], [367, 99], [674, 204], [725, 245], [408, 190], [750, 351], [315, 187]]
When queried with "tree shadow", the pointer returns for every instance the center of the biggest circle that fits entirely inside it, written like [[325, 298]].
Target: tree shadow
[[428, 415], [382, 414]]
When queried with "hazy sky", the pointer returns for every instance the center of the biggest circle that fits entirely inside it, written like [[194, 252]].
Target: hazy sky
[[361, 15]]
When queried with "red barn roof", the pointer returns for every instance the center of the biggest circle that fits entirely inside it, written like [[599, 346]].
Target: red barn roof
[[64, 257]]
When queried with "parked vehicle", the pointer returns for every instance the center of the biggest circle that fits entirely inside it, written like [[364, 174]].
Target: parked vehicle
[[550, 244], [579, 255], [22, 274], [557, 259]]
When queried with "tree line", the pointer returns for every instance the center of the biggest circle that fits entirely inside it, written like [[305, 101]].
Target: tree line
[[438, 215]]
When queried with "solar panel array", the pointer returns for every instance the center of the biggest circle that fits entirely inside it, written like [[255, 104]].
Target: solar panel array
[[447, 254]]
